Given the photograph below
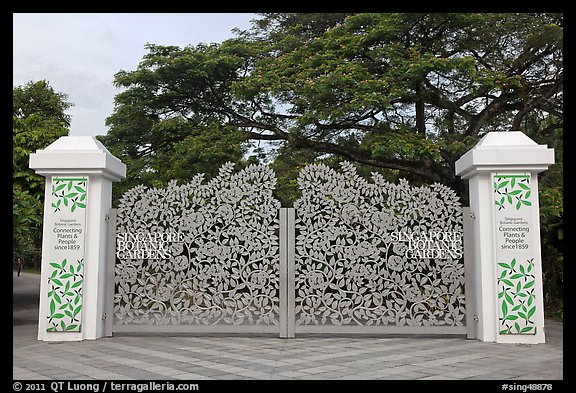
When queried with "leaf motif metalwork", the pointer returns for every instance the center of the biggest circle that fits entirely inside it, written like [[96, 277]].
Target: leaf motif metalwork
[[350, 272], [225, 268]]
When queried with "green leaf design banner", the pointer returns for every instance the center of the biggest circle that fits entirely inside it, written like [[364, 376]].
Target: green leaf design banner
[[65, 296], [514, 252], [512, 191], [516, 297], [66, 262], [69, 193]]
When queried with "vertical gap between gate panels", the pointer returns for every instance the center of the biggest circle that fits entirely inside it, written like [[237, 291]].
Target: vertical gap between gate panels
[[283, 273], [287, 244], [291, 250]]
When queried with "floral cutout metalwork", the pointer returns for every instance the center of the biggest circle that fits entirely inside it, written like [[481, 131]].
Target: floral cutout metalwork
[[223, 268], [349, 271]]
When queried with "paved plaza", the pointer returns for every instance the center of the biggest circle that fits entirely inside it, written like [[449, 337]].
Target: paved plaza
[[322, 357]]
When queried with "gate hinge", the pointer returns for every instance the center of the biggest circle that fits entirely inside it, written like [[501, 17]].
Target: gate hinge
[[106, 216]]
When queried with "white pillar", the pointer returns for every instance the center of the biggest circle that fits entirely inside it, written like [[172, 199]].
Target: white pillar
[[506, 267], [79, 173]]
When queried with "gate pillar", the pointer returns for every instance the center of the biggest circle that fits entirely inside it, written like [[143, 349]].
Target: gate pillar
[[79, 173], [506, 269]]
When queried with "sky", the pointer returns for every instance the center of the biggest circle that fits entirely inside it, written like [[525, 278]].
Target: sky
[[78, 54]]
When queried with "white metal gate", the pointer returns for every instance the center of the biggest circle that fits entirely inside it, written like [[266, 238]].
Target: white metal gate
[[352, 256]]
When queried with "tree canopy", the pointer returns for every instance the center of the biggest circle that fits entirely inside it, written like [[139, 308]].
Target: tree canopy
[[39, 118], [402, 94], [40, 99], [407, 93]]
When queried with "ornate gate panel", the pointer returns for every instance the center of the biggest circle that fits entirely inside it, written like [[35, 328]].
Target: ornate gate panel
[[377, 257], [352, 256], [199, 257]]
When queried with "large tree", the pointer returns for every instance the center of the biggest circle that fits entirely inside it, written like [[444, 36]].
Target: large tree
[[404, 92], [40, 99], [39, 118]]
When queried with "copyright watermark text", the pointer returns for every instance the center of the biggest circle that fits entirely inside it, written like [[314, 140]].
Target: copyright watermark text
[[524, 387], [103, 386]]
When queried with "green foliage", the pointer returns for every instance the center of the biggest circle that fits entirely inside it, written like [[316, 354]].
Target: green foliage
[[202, 149], [404, 145], [38, 120], [410, 90], [287, 165], [40, 99], [26, 226], [405, 94], [551, 198], [28, 135]]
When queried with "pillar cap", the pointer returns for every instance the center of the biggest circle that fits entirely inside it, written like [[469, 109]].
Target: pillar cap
[[77, 154], [508, 150]]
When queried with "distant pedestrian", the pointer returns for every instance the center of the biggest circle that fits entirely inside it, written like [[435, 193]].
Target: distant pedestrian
[[18, 266]]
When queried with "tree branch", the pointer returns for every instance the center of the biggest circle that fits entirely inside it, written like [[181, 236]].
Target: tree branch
[[533, 105], [419, 169]]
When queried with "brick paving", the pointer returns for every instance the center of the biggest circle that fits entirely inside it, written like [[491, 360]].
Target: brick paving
[[322, 357]]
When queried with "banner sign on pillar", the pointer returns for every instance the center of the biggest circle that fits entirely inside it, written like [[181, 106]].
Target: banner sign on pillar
[[66, 264], [514, 252]]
